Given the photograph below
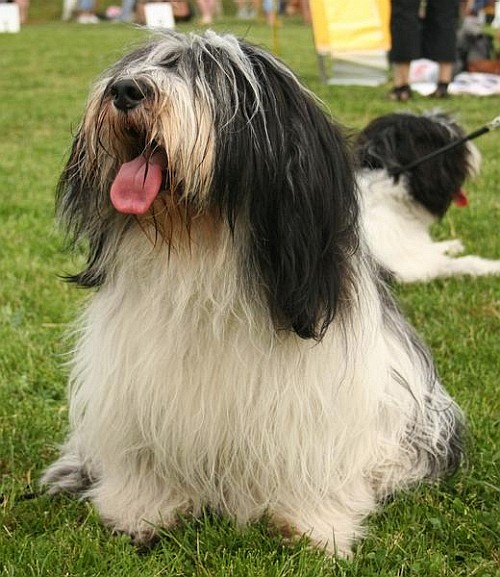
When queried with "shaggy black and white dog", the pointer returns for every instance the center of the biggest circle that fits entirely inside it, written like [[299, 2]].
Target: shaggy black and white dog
[[238, 351], [399, 206]]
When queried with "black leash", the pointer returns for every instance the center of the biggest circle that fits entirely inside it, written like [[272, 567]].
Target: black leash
[[495, 123]]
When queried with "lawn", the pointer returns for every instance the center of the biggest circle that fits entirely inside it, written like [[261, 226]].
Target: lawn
[[451, 529]]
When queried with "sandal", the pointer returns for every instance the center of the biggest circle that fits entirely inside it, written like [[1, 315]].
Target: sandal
[[441, 91], [400, 93]]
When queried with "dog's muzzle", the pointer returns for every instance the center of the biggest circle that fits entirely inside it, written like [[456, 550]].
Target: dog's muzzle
[[128, 93]]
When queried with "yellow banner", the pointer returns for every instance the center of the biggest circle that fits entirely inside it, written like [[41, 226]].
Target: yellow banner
[[343, 26]]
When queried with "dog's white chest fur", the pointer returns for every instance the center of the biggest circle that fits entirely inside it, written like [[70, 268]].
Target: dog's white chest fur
[[184, 369], [179, 379]]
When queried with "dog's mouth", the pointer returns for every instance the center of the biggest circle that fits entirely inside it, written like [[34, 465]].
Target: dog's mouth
[[139, 181]]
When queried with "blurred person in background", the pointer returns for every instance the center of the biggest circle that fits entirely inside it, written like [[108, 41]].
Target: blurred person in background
[[128, 11], [87, 12], [181, 10], [23, 8], [69, 7], [208, 11], [422, 29], [247, 9]]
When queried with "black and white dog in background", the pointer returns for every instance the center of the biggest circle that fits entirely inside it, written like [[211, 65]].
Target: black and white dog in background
[[238, 351], [398, 209]]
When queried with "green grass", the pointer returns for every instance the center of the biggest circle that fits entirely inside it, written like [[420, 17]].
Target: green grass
[[443, 530]]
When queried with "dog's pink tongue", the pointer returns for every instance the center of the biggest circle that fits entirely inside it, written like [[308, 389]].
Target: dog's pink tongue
[[137, 184], [460, 198]]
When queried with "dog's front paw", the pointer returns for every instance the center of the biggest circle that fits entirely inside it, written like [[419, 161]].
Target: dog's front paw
[[134, 509], [144, 538], [67, 475], [452, 247], [330, 529], [475, 266]]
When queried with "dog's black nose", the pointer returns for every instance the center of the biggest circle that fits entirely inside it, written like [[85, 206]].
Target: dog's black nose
[[128, 93]]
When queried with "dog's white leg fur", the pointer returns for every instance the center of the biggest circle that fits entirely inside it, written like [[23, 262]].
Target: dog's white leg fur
[[137, 508], [70, 473], [451, 247], [432, 264], [469, 265], [229, 414], [435, 265], [330, 527], [397, 231]]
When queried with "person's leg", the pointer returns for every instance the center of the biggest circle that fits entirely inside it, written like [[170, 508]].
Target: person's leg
[[207, 11], [439, 40], [401, 73], [127, 10], [405, 45], [23, 10], [445, 72], [306, 11], [405, 28]]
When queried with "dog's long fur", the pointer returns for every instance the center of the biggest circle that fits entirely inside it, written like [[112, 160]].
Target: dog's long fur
[[238, 351], [398, 211]]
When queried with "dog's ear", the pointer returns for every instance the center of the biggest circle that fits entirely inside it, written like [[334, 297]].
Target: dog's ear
[[83, 210], [289, 164], [378, 145]]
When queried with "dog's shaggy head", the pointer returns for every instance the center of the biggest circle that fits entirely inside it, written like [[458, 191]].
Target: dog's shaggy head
[[395, 140], [191, 129]]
